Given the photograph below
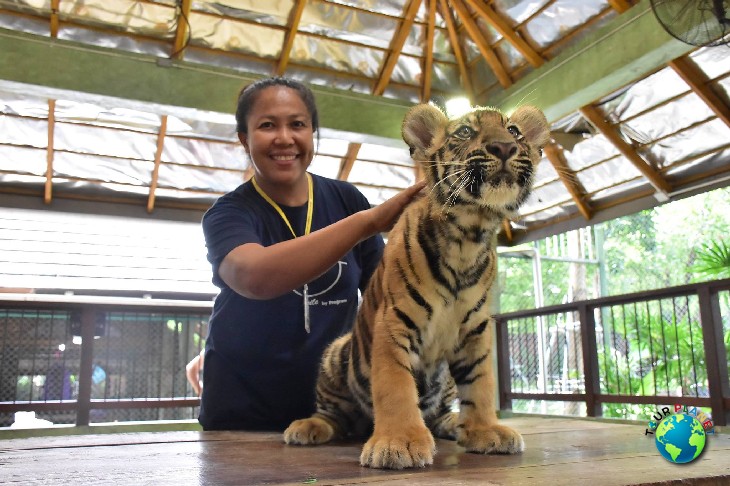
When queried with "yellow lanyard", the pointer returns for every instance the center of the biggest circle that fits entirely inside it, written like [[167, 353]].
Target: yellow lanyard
[[310, 205], [307, 229]]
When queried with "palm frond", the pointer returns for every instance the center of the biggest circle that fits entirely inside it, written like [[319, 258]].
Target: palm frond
[[713, 259]]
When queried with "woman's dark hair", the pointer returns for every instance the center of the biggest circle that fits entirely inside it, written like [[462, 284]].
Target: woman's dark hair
[[247, 97]]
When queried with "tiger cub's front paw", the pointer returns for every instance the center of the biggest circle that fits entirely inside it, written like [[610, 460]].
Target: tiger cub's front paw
[[493, 439], [313, 430], [399, 450]]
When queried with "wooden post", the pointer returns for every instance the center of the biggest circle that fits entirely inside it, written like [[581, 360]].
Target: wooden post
[[715, 358], [88, 323], [590, 360]]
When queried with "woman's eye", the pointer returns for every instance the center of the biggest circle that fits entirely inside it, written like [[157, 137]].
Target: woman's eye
[[514, 131], [464, 132]]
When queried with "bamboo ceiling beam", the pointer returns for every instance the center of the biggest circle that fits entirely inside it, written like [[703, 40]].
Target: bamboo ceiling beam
[[48, 189], [484, 48], [158, 159], [456, 46], [396, 46], [597, 119], [348, 161], [556, 156], [699, 82], [294, 19], [54, 18], [605, 59], [183, 29], [619, 5], [428, 47], [507, 226], [498, 23]]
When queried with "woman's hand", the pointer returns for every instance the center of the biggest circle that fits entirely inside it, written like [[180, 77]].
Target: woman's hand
[[385, 215]]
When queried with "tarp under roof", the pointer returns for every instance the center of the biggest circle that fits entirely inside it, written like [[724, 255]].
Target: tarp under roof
[[651, 133]]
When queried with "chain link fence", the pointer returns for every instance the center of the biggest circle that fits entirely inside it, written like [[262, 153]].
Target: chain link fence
[[138, 361]]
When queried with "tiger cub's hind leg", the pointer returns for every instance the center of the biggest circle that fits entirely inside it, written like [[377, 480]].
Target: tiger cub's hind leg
[[445, 424]]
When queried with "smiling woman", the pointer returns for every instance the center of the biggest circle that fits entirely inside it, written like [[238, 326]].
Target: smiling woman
[[289, 251]]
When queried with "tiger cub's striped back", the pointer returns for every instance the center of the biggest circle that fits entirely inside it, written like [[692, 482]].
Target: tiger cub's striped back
[[422, 335]]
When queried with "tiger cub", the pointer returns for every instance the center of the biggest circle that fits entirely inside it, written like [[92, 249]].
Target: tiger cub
[[422, 335]]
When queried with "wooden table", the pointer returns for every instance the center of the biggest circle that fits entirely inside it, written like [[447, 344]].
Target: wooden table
[[559, 452]]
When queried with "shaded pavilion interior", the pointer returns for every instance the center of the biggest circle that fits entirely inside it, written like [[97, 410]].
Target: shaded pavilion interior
[[124, 108]]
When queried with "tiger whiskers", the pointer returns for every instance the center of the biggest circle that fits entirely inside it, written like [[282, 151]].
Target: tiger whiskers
[[437, 163], [443, 179], [463, 180]]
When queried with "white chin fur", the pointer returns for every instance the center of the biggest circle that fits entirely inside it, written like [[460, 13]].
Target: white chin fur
[[500, 196]]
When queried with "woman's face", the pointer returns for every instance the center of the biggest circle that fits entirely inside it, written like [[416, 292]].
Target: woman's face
[[280, 137]]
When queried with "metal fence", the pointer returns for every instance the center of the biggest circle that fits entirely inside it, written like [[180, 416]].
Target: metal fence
[[74, 360], [615, 356]]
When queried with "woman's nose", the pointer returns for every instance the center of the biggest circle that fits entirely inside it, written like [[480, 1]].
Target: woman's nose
[[284, 136]]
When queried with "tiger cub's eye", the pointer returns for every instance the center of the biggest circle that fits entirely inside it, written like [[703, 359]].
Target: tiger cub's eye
[[464, 132], [515, 131]]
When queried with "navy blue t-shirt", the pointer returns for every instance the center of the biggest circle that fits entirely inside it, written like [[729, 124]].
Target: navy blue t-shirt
[[260, 364]]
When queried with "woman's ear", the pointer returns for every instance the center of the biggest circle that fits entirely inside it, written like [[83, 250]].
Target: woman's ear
[[244, 140]]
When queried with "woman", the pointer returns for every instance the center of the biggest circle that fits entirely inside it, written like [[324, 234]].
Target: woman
[[289, 251]]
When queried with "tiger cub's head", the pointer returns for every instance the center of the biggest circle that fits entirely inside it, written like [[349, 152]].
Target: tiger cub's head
[[480, 159]]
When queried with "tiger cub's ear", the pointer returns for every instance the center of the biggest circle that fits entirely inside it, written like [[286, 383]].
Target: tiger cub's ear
[[421, 124], [533, 125]]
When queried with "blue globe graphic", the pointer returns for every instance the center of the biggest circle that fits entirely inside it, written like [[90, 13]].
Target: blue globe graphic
[[680, 438]]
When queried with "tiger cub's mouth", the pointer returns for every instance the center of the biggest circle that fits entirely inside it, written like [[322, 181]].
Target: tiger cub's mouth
[[499, 180], [480, 174]]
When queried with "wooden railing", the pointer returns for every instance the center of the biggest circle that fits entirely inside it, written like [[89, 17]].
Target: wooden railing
[[658, 347], [118, 359]]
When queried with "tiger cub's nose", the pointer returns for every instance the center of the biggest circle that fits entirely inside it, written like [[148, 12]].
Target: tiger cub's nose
[[502, 150]]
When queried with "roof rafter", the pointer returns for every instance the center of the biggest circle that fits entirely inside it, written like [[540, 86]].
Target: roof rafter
[[507, 227], [396, 46], [487, 52], [428, 47], [495, 20], [698, 81], [596, 118], [556, 156], [619, 5], [54, 18], [456, 46], [158, 159], [48, 189], [183, 29], [348, 160], [294, 18], [615, 54]]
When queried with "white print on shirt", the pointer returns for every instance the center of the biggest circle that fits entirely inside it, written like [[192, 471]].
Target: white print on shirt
[[313, 296]]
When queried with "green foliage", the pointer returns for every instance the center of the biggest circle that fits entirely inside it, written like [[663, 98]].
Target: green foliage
[[643, 352], [713, 259]]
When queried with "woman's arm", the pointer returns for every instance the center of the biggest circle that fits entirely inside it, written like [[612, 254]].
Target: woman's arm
[[192, 371], [259, 272]]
